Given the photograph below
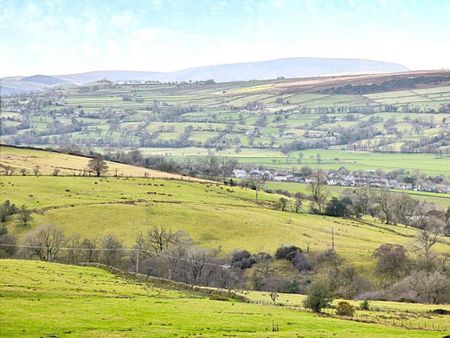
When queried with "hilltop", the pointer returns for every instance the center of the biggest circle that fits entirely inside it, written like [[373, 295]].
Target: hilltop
[[260, 70]]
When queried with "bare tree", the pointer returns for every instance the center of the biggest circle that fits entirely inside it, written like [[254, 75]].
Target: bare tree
[[45, 242], [430, 288], [112, 252], [405, 208], [385, 201], [25, 215], [90, 252], [298, 201], [97, 165], [158, 239], [391, 260], [319, 191], [37, 170], [73, 254], [428, 232]]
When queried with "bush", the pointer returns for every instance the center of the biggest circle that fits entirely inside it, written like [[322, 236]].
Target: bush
[[338, 207], [345, 309], [287, 252], [218, 296], [242, 259], [319, 296], [364, 305], [301, 262]]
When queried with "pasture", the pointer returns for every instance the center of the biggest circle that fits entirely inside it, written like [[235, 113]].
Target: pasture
[[62, 300], [214, 215]]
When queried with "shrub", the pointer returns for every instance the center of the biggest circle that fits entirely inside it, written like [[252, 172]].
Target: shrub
[[301, 262], [242, 259], [345, 309], [287, 252], [218, 296], [319, 296], [364, 305]]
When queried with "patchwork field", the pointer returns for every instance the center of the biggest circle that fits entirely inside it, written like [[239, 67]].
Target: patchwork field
[[62, 300], [255, 122]]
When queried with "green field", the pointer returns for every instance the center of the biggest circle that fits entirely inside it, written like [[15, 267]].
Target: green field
[[441, 201], [226, 117], [214, 215], [47, 162], [48, 299]]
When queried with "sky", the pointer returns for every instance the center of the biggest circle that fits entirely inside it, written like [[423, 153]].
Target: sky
[[64, 37]]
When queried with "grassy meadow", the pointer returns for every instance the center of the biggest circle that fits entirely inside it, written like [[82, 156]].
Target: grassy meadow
[[61, 300], [214, 215], [48, 161], [441, 201]]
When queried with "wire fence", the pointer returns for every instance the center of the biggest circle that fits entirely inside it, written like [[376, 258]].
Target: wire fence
[[408, 323], [137, 251]]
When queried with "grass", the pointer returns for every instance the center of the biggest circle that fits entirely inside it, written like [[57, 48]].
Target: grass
[[410, 314], [48, 299], [214, 215], [28, 159], [441, 201]]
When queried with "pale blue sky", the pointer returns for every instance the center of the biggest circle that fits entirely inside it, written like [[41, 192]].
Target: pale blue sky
[[57, 36]]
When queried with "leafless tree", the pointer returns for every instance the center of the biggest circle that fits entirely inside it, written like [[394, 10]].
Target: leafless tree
[[430, 288], [112, 253], [73, 254], [319, 190], [405, 208], [36, 170], [158, 239], [385, 200], [97, 165], [298, 201], [25, 215], [45, 242], [391, 260], [428, 232], [90, 253]]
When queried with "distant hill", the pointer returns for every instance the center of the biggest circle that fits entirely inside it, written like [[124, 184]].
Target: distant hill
[[112, 75], [43, 79], [288, 68], [261, 70]]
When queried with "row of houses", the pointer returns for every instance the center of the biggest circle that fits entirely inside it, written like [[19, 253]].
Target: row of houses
[[336, 179], [379, 182], [267, 175]]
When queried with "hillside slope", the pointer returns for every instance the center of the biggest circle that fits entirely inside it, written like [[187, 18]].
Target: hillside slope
[[62, 300], [47, 161], [213, 214]]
